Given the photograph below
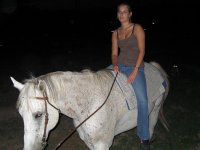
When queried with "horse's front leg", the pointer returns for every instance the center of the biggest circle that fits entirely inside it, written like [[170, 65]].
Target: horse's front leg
[[101, 146], [90, 142], [96, 140]]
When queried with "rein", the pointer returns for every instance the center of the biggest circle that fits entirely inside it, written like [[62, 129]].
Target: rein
[[46, 100], [88, 116]]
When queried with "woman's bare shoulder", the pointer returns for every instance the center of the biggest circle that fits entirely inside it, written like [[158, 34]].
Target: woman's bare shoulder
[[138, 26], [115, 32], [138, 30]]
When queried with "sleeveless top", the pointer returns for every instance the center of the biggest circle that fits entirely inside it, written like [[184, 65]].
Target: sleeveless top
[[128, 50]]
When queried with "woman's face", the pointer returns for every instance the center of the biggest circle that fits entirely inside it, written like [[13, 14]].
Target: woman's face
[[123, 14]]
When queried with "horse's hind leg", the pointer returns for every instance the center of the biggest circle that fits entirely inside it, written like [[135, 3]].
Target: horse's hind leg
[[153, 116]]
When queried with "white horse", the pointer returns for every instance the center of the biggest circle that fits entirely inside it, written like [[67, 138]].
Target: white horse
[[77, 95]]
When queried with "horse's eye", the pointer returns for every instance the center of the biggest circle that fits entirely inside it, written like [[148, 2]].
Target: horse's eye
[[38, 115]]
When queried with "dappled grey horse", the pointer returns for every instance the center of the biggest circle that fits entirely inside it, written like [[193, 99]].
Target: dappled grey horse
[[79, 94]]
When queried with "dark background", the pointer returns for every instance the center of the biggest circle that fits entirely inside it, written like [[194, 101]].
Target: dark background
[[42, 36]]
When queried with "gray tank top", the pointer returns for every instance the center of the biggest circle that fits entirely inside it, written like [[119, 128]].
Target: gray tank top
[[128, 50]]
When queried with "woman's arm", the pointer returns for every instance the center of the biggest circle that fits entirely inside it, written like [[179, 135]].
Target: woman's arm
[[140, 36], [114, 56]]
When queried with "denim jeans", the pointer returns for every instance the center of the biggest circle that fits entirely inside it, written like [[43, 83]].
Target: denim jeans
[[139, 86]]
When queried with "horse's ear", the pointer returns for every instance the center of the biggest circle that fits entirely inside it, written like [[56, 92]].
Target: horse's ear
[[41, 85], [17, 84]]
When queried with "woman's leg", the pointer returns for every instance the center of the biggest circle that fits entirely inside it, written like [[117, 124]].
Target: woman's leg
[[140, 89], [139, 85]]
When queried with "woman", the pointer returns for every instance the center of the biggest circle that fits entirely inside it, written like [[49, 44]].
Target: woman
[[130, 38]]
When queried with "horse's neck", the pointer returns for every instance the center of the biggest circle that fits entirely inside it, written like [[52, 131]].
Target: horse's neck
[[72, 94]]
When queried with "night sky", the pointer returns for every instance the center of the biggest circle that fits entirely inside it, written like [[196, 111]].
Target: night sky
[[44, 30]]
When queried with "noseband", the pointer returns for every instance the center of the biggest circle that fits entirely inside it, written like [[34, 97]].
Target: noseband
[[46, 100]]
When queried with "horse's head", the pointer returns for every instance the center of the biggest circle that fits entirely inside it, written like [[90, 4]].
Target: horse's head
[[33, 97]]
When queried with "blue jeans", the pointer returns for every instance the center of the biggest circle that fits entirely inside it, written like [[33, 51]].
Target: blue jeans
[[139, 85]]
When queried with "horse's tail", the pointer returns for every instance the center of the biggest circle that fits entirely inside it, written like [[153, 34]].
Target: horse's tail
[[165, 76]]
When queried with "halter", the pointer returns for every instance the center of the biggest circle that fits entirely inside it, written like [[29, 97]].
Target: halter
[[46, 100]]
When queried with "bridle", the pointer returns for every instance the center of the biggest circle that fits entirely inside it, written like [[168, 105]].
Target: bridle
[[46, 100]]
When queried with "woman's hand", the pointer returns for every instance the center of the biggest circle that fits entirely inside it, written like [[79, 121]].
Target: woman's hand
[[132, 76], [116, 68]]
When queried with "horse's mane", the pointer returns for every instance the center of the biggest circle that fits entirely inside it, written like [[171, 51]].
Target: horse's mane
[[34, 82]]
